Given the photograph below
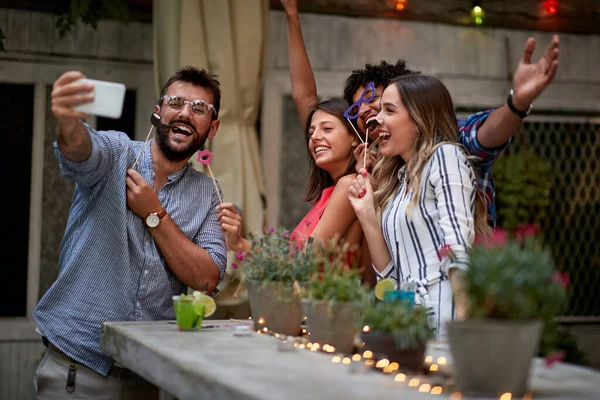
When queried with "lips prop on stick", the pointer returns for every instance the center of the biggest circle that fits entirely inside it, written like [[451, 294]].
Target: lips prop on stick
[[155, 120], [204, 158]]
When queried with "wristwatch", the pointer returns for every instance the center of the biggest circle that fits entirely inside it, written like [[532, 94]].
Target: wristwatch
[[520, 114], [153, 219]]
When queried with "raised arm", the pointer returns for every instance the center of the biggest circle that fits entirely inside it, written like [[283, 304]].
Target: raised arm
[[529, 81], [304, 88], [72, 136]]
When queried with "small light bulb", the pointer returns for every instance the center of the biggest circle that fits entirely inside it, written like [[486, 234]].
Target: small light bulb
[[436, 390], [400, 378]]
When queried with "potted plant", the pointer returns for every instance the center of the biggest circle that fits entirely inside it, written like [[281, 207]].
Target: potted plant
[[512, 289], [397, 330], [273, 271], [332, 303]]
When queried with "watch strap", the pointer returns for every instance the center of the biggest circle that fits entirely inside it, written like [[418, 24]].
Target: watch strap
[[511, 106], [161, 213]]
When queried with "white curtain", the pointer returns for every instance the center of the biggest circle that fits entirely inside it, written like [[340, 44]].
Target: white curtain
[[226, 37]]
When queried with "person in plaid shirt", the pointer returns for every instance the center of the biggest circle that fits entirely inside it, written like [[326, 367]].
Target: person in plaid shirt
[[485, 134]]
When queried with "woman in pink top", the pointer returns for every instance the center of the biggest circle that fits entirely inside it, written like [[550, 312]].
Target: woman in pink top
[[331, 141]]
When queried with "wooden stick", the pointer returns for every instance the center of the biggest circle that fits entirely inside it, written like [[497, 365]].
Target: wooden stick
[[357, 134], [366, 147], [142, 150], [214, 183]]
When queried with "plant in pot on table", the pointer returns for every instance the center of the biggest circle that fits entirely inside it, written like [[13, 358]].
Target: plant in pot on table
[[513, 289], [332, 302], [396, 330], [273, 272]]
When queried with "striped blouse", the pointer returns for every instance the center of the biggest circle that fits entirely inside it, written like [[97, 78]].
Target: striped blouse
[[442, 216], [110, 268]]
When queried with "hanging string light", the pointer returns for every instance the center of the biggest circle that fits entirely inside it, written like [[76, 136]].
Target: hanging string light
[[400, 5], [477, 13], [551, 7]]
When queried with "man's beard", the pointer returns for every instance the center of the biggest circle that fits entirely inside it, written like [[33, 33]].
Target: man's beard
[[162, 141]]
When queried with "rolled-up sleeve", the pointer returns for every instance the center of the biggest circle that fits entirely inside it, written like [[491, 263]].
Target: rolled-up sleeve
[[454, 186], [467, 136]]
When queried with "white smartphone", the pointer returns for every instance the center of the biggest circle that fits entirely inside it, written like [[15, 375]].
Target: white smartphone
[[108, 99]]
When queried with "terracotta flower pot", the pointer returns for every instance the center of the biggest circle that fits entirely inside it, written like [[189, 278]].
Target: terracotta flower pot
[[277, 305], [410, 358], [492, 357], [335, 324]]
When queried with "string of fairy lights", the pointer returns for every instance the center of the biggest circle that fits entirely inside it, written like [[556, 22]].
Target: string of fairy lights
[[435, 378], [546, 9]]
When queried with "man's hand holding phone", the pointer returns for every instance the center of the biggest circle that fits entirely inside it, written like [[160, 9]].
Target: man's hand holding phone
[[67, 92], [75, 96]]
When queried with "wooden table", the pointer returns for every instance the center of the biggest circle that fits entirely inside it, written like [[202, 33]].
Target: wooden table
[[215, 364]]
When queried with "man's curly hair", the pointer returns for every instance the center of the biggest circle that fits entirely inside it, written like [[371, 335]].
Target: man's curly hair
[[381, 74]]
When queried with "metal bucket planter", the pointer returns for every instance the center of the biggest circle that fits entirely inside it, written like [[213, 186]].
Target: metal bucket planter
[[274, 305], [492, 357], [335, 324], [385, 344]]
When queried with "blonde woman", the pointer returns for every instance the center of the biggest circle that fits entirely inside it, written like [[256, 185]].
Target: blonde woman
[[422, 219]]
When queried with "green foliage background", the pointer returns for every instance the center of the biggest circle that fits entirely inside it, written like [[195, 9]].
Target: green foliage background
[[89, 12], [523, 181]]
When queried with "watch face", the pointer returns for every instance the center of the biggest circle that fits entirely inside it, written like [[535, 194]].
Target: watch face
[[152, 220]]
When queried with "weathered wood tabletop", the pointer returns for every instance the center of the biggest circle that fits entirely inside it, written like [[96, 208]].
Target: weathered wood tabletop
[[215, 364]]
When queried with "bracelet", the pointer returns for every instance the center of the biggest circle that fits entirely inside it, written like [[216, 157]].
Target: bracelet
[[519, 113]]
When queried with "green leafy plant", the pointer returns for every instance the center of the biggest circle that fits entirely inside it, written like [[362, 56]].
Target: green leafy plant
[[407, 323], [272, 258], [523, 181], [89, 12], [336, 280], [514, 277]]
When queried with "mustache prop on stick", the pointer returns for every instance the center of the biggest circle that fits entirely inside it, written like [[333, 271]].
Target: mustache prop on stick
[[371, 124], [155, 120]]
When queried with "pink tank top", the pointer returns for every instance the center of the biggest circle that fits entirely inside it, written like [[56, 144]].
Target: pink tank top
[[308, 224]]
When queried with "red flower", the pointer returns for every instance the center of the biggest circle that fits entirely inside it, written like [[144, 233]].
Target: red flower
[[234, 265], [525, 231], [561, 278], [554, 357], [498, 238], [240, 256]]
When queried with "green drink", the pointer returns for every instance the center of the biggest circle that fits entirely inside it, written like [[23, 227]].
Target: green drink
[[189, 312]]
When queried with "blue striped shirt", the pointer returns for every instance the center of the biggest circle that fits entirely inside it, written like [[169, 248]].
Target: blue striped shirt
[[109, 268]]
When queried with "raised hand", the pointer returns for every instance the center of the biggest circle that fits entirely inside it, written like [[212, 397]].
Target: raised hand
[[530, 80], [141, 197], [66, 93], [360, 194], [230, 220]]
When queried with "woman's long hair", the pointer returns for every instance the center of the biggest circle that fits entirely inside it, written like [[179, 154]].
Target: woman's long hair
[[320, 179], [430, 106]]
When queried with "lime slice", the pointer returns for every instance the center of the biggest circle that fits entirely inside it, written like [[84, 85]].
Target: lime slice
[[207, 302], [383, 286]]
